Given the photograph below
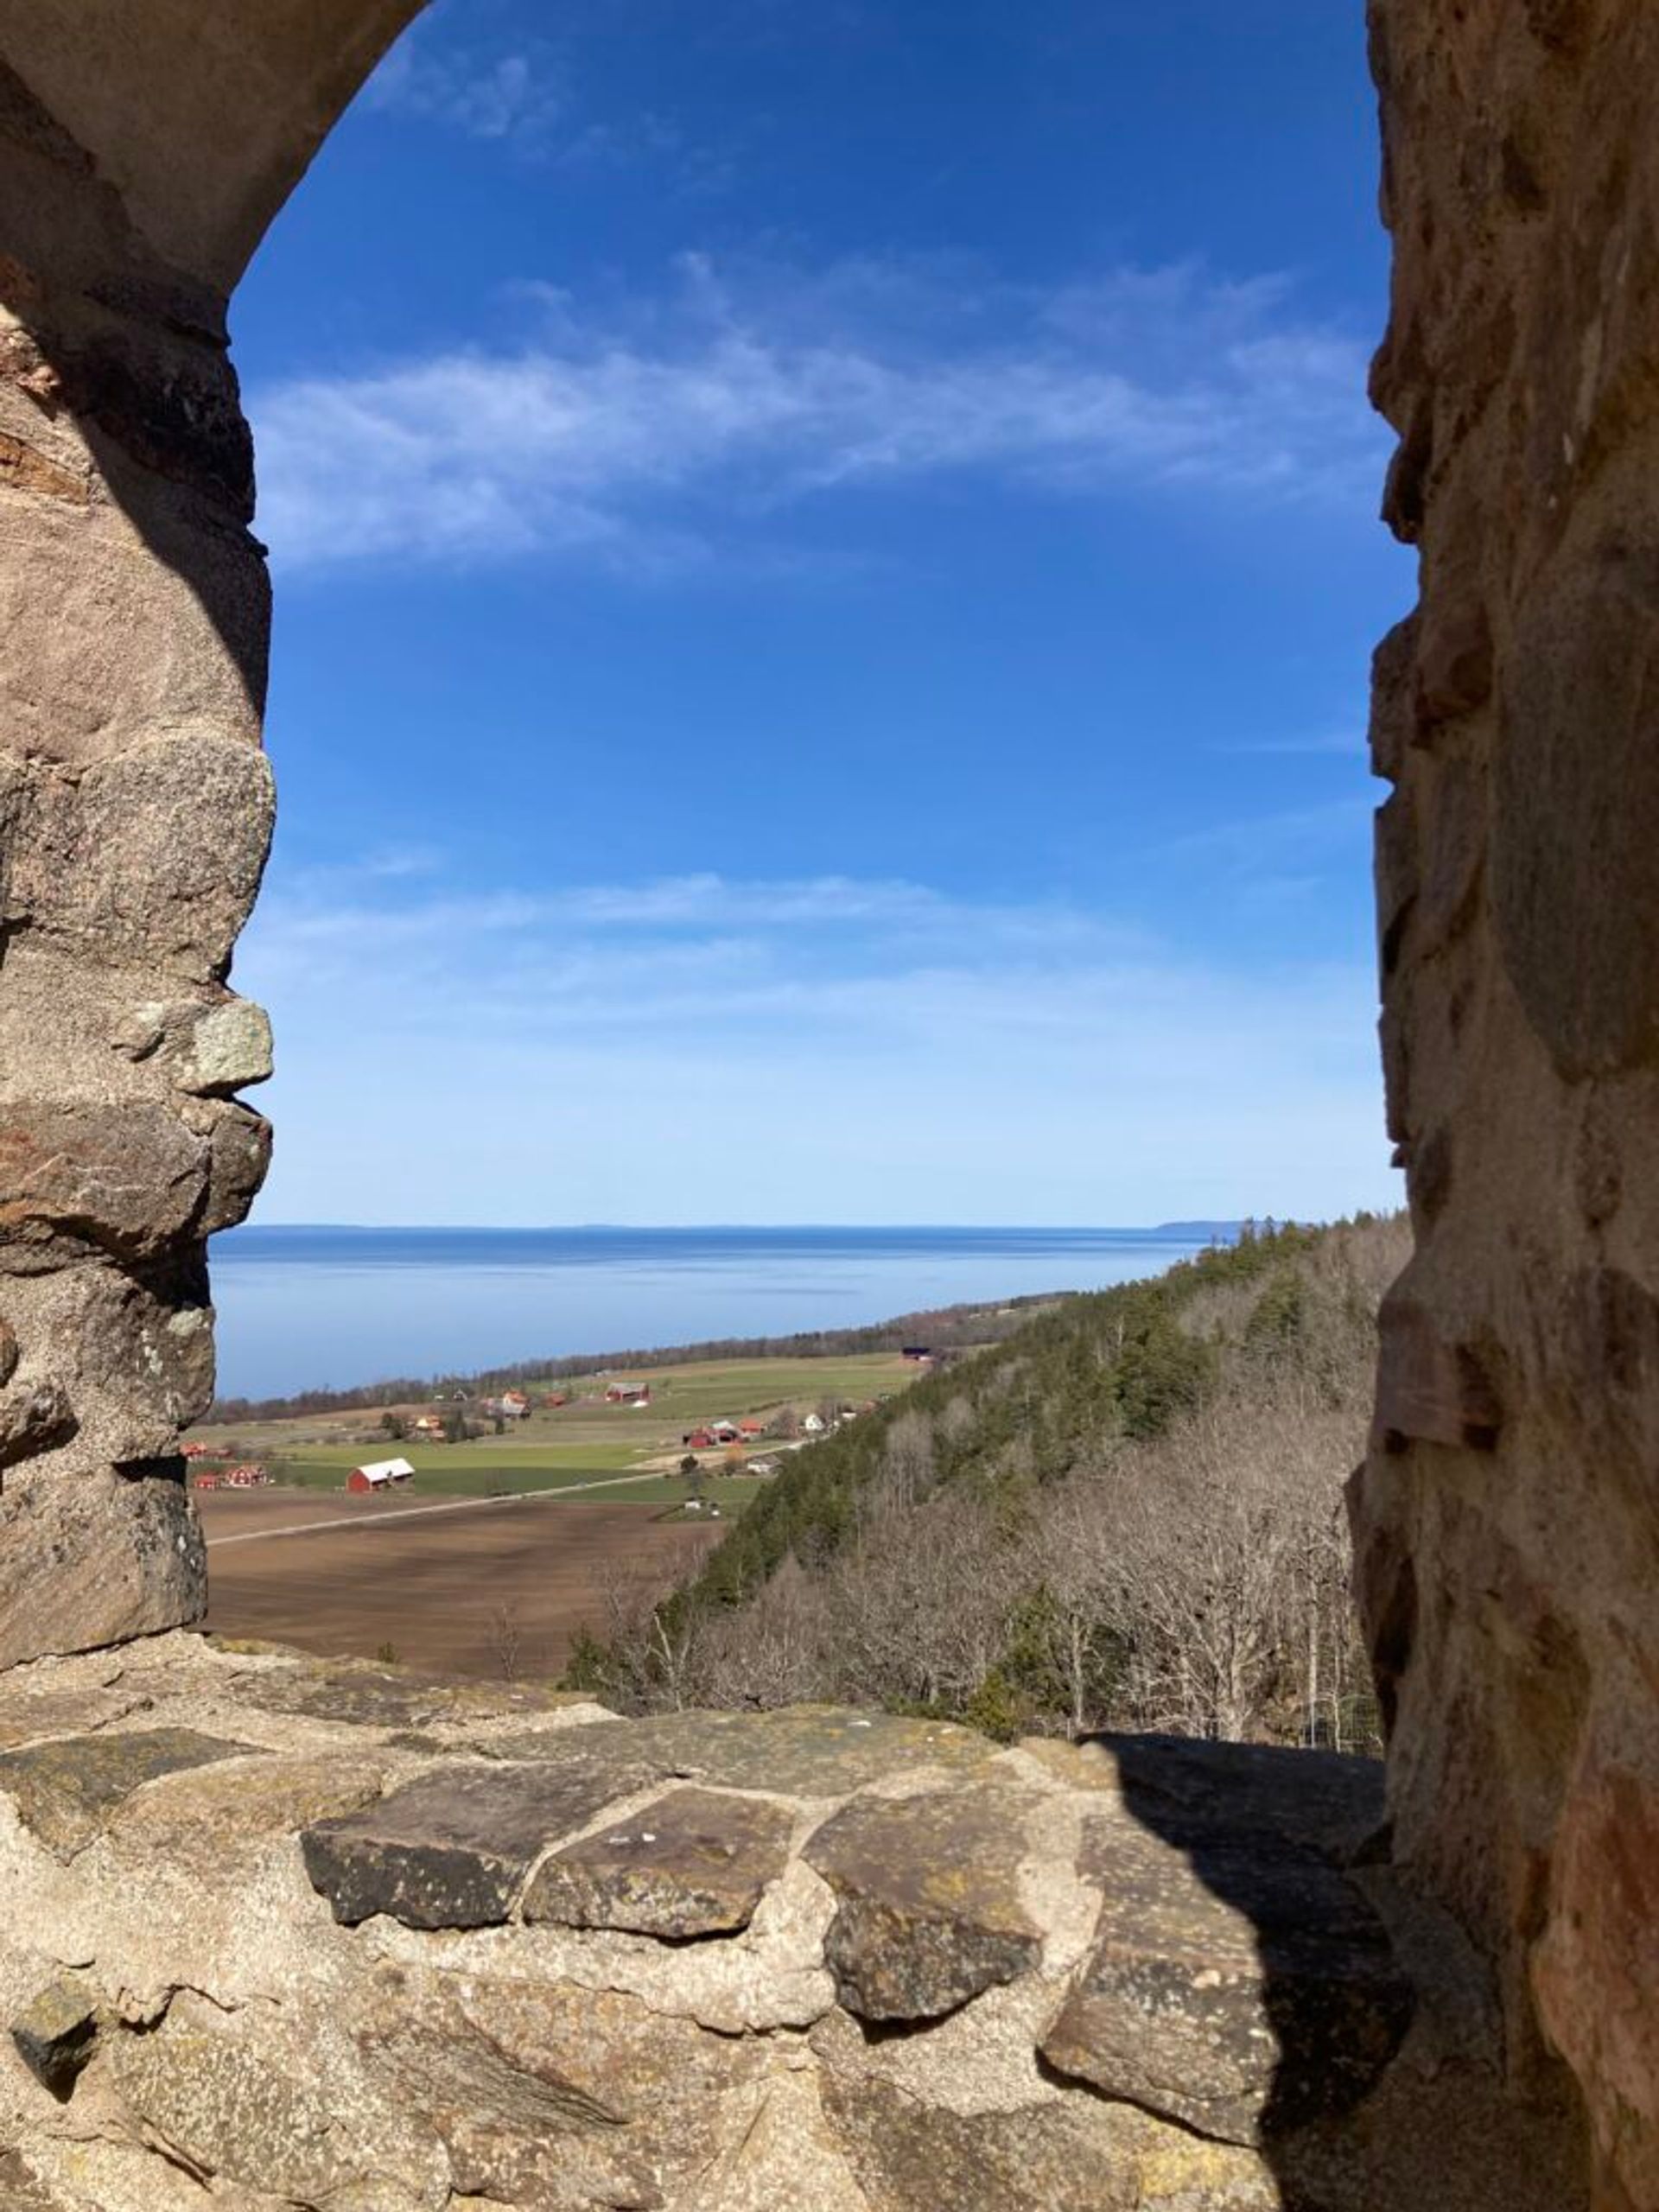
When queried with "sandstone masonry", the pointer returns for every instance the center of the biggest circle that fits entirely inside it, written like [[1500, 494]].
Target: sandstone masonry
[[282, 1932], [1507, 1517]]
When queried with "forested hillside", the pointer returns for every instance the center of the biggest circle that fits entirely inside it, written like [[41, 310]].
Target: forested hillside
[[1129, 1514]]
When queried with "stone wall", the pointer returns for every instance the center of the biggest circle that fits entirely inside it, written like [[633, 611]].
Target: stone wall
[[1509, 1516], [136, 173], [281, 1933]]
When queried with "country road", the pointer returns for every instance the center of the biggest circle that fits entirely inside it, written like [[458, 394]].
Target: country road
[[372, 1519]]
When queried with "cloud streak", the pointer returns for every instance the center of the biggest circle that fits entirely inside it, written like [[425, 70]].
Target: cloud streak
[[505, 96], [664, 431], [700, 1048]]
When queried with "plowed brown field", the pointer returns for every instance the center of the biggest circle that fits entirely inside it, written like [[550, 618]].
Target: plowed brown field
[[435, 1588]]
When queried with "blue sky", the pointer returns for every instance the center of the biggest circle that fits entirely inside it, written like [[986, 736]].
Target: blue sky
[[826, 565]]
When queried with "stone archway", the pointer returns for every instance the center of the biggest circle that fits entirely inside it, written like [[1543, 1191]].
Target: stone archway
[[138, 171], [1508, 1516]]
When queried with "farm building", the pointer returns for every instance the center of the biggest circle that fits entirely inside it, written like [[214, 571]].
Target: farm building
[[379, 1475], [699, 1439], [628, 1394], [751, 1428], [430, 1424]]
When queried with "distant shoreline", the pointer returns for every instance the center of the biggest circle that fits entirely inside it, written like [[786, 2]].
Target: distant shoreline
[[382, 1316], [247, 1232]]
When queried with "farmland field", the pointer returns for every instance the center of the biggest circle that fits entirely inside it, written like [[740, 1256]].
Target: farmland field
[[437, 1591], [585, 1437], [433, 1586]]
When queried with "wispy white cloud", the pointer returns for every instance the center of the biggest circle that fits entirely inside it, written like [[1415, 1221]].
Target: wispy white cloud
[[514, 94], [701, 1048], [471, 72], [659, 431]]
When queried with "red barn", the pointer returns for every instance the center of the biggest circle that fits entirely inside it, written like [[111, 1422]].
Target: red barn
[[378, 1476]]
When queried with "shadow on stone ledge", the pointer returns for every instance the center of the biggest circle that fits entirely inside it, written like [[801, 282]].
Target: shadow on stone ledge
[[1261, 1976]]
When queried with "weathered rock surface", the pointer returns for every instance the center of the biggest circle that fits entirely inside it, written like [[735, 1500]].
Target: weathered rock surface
[[693, 1863], [803, 1750], [65, 1791], [55, 2032], [1505, 1520], [136, 805], [125, 1549], [187, 2013], [929, 1906], [1238, 1983], [453, 1849]]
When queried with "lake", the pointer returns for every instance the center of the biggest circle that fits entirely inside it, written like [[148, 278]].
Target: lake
[[305, 1308]]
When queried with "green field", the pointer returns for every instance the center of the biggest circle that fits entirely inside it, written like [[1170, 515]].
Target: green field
[[569, 1443]]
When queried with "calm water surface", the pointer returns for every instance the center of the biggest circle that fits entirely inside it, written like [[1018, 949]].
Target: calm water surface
[[309, 1308]]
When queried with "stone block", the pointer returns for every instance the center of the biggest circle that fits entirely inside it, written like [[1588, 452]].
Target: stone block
[[93, 1556], [128, 1180], [55, 2032], [66, 1793], [803, 1751], [1238, 1984], [34, 1418], [244, 2107], [453, 1849], [693, 1863], [155, 855], [227, 1046], [929, 1906]]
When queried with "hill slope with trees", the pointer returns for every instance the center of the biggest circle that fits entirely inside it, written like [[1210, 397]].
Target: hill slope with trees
[[1127, 1514]]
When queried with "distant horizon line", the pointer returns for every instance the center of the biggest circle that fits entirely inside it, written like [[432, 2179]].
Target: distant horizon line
[[694, 1228]]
